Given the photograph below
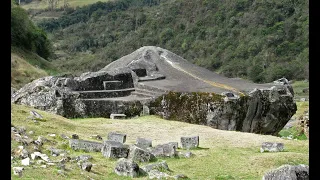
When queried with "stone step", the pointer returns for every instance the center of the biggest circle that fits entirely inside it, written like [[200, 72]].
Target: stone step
[[142, 94], [112, 85], [105, 93], [146, 93], [150, 88]]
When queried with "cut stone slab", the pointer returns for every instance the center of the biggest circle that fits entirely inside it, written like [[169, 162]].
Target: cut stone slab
[[271, 147], [114, 136], [164, 150], [139, 154], [117, 116], [156, 166], [288, 172], [127, 167], [143, 143], [25, 162], [114, 149], [190, 142], [89, 146]]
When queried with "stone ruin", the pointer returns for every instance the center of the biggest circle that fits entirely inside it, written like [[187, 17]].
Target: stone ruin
[[153, 80]]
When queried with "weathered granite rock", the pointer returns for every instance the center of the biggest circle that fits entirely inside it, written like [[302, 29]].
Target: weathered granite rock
[[164, 150], [114, 149], [288, 172], [83, 157], [155, 174], [143, 143], [86, 166], [190, 142], [271, 147], [114, 136], [160, 166], [18, 171], [140, 155], [127, 167], [89, 146], [56, 152], [13, 90], [187, 154]]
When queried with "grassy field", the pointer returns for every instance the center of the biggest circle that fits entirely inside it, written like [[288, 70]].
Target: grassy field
[[27, 66], [73, 3], [298, 86], [222, 154]]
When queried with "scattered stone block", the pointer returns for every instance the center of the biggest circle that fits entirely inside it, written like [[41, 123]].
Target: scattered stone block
[[56, 152], [156, 166], [114, 149], [17, 171], [89, 146], [155, 174], [288, 172], [25, 162], [21, 152], [86, 166], [271, 147], [190, 142], [141, 155], [83, 157], [186, 154], [164, 150], [118, 137], [143, 143], [127, 167], [35, 115], [117, 116]]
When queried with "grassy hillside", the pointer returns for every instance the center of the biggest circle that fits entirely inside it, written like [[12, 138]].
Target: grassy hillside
[[27, 66], [72, 3], [222, 154], [259, 40]]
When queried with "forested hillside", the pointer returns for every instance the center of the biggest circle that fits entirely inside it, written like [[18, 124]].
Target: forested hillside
[[261, 40]]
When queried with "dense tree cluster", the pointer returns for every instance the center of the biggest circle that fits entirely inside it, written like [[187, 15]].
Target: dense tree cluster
[[24, 34], [257, 39]]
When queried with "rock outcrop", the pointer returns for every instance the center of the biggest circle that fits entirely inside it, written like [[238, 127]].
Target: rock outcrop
[[288, 172], [153, 80]]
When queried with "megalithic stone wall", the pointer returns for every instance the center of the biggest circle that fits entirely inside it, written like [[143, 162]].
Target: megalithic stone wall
[[263, 111]]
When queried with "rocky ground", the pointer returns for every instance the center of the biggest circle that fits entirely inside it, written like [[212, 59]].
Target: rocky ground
[[41, 150]]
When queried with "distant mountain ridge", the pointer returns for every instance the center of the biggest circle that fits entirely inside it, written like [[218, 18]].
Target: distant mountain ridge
[[258, 40]]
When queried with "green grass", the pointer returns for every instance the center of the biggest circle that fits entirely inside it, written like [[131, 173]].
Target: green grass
[[298, 86], [222, 154]]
